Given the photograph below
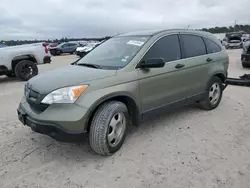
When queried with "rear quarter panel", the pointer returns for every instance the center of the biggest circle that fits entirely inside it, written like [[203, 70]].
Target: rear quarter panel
[[219, 65]]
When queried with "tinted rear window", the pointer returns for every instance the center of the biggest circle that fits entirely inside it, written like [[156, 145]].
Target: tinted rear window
[[193, 45], [212, 47]]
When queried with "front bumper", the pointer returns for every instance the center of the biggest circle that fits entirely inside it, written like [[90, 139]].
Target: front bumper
[[60, 121], [46, 59]]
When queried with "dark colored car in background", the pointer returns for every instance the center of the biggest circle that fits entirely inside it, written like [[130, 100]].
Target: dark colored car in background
[[67, 47], [245, 56]]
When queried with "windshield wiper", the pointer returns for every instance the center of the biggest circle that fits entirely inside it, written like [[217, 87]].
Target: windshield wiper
[[90, 65]]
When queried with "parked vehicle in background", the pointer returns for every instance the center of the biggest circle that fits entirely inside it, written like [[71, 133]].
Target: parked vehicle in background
[[82, 51], [237, 33], [224, 42], [66, 47], [234, 42], [52, 45], [126, 78], [246, 42], [245, 56], [21, 61], [245, 37]]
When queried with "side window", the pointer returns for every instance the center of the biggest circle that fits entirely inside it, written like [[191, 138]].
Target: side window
[[193, 45], [212, 47], [167, 48]]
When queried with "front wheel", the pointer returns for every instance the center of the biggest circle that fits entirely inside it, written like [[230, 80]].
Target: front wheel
[[108, 128], [58, 52], [25, 70], [213, 94]]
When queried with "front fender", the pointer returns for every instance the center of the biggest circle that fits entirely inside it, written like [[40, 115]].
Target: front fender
[[90, 100]]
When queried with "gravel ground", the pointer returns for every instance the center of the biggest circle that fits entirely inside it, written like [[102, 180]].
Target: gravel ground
[[188, 147]]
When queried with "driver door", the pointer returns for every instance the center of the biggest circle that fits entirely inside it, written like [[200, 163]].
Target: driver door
[[165, 85]]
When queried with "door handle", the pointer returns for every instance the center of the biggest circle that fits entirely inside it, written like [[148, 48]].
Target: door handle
[[178, 66], [209, 59]]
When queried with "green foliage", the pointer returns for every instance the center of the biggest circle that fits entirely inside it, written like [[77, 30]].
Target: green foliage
[[65, 39], [245, 28]]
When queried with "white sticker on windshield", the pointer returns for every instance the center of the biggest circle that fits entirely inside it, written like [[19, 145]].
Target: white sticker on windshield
[[135, 42]]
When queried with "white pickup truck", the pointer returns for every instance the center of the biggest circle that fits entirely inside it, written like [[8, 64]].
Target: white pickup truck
[[21, 61]]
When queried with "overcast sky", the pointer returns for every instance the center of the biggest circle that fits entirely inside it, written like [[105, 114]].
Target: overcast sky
[[43, 19]]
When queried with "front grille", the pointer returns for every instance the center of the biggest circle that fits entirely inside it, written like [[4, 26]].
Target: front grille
[[34, 99]]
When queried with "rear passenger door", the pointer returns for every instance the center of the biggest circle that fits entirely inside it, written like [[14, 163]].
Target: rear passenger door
[[65, 48], [196, 63], [72, 47]]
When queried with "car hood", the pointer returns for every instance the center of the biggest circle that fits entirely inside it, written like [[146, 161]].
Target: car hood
[[71, 75], [82, 49]]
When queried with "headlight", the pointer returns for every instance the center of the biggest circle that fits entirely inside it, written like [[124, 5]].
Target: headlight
[[64, 95]]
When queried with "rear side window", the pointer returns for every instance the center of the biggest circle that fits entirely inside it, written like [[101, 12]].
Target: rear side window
[[167, 48], [193, 45], [212, 47]]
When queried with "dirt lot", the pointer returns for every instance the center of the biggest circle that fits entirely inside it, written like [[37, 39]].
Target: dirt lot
[[185, 148]]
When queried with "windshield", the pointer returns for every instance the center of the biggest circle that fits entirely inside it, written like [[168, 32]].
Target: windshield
[[115, 53]]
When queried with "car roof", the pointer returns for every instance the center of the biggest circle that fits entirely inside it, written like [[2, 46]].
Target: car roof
[[155, 32]]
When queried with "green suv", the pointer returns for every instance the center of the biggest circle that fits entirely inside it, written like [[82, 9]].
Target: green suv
[[123, 80]]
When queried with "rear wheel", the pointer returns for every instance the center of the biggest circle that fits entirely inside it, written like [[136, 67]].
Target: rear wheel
[[58, 52], [245, 65], [213, 94], [108, 128], [25, 70]]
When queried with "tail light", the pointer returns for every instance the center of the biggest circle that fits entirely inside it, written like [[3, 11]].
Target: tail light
[[46, 48]]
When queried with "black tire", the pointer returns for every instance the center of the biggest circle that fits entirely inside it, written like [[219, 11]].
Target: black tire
[[206, 102], [25, 70], [245, 65], [100, 127], [58, 52]]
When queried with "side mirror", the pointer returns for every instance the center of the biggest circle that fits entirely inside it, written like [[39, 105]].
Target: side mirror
[[152, 63]]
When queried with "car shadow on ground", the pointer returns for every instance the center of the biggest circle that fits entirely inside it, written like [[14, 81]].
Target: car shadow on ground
[[5, 79], [81, 151]]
